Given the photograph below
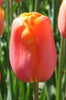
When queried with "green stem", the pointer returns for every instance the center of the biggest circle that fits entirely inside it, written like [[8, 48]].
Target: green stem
[[19, 8], [37, 5], [11, 11], [30, 5], [65, 88], [7, 11], [60, 70], [9, 94], [8, 19], [35, 89], [56, 77], [65, 66], [0, 48]]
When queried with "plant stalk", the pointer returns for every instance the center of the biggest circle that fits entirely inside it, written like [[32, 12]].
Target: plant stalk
[[65, 66], [11, 11], [37, 5], [30, 5], [65, 88], [8, 14], [19, 8], [60, 70], [56, 77], [35, 89]]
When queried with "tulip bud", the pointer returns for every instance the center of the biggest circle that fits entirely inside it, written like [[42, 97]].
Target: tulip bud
[[1, 2], [18, 0], [1, 21], [62, 19], [32, 49]]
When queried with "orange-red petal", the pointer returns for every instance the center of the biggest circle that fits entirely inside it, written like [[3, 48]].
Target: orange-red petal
[[1, 2], [1, 21], [62, 19]]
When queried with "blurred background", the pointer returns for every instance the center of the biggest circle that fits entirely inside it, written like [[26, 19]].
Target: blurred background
[[10, 87]]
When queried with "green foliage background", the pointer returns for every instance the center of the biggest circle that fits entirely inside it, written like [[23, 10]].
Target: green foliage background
[[11, 88]]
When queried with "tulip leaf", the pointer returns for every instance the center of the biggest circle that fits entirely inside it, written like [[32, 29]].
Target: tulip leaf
[[50, 92], [43, 94], [9, 94], [29, 94], [23, 87]]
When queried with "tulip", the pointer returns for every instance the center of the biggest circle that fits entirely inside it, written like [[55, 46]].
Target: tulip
[[18, 0], [32, 49], [62, 19], [1, 2], [1, 21]]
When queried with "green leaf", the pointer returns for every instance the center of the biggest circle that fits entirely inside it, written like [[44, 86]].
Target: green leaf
[[43, 94], [29, 94]]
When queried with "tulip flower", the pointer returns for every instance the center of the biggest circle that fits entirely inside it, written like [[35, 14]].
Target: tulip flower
[[18, 0], [62, 19], [1, 2], [1, 21], [32, 49]]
